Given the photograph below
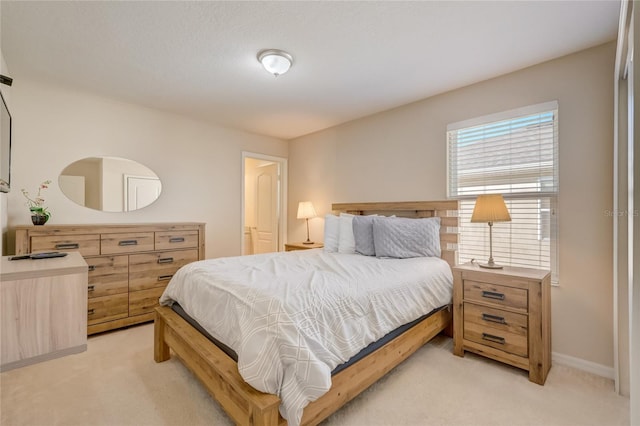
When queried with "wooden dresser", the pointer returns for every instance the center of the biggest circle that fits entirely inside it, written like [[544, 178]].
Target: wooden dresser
[[129, 265], [504, 314]]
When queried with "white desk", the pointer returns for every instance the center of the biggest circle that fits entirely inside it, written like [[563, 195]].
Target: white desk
[[43, 309]]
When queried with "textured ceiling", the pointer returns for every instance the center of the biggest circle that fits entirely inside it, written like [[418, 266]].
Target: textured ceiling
[[351, 59]]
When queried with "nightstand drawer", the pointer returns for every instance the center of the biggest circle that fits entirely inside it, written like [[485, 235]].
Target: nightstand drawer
[[495, 318], [489, 336], [498, 295]]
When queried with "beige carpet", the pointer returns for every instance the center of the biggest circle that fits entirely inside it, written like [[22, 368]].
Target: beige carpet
[[116, 382]]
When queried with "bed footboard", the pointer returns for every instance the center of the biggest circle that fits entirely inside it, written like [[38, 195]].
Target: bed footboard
[[217, 372], [356, 378], [247, 406]]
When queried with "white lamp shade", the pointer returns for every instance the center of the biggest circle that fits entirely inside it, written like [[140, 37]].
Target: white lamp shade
[[276, 62], [306, 210], [490, 208]]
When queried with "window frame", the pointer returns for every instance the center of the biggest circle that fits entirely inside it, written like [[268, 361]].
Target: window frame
[[541, 195]]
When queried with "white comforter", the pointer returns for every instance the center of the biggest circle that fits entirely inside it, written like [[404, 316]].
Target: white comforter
[[293, 317]]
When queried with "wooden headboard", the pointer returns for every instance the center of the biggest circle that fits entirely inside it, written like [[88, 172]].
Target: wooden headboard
[[447, 211]]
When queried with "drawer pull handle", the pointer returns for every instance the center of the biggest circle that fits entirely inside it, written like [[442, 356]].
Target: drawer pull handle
[[493, 318], [90, 311], [176, 240], [164, 277], [165, 260], [63, 246], [492, 338], [91, 288], [492, 295], [92, 268], [128, 243]]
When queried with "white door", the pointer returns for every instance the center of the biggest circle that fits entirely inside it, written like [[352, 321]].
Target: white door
[[267, 211], [140, 191]]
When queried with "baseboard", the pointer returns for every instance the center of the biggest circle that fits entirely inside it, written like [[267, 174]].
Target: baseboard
[[44, 357], [584, 365]]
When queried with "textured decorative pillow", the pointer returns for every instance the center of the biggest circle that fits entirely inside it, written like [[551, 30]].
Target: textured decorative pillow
[[331, 233], [402, 237], [363, 235], [346, 241]]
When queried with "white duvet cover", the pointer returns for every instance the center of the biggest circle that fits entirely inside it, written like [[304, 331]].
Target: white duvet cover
[[292, 317]]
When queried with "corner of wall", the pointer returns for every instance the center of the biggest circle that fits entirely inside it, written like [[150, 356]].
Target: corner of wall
[[3, 197]]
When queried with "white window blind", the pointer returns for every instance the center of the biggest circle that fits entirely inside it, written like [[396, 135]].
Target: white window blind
[[515, 154]]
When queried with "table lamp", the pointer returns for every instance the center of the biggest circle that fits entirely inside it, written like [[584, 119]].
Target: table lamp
[[306, 211], [490, 208]]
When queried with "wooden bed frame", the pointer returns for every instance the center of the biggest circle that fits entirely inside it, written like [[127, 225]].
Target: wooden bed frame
[[247, 406]]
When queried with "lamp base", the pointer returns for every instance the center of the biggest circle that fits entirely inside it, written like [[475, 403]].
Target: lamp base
[[308, 242], [490, 266]]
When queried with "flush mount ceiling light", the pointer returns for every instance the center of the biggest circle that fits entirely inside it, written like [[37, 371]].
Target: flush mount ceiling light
[[275, 61]]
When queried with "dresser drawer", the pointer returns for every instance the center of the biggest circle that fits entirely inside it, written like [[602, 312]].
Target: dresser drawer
[[126, 243], [496, 318], [87, 245], [156, 269], [108, 275], [498, 295], [144, 301], [107, 308], [496, 338], [176, 240]]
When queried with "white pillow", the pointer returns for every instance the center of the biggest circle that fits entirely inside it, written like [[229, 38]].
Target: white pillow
[[331, 232], [346, 240]]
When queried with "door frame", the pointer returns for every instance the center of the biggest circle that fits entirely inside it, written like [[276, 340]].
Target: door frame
[[282, 217]]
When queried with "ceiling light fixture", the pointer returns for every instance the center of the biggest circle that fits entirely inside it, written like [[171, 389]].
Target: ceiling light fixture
[[275, 61]]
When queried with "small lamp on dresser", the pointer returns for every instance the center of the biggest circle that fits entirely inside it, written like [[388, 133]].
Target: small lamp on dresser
[[490, 208], [306, 211]]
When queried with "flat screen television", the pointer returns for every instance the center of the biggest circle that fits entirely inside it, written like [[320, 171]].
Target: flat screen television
[[5, 146]]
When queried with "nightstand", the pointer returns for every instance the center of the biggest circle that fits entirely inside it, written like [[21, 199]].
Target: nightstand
[[43, 309], [504, 314], [301, 246]]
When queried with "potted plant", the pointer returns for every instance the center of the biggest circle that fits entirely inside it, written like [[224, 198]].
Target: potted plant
[[39, 213]]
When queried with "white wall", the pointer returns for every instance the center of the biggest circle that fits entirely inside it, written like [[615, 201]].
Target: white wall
[[200, 165], [634, 222], [399, 155]]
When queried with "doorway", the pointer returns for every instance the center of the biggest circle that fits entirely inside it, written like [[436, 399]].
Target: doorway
[[263, 203]]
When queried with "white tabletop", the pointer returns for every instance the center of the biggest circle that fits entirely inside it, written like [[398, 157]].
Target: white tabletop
[[35, 268]]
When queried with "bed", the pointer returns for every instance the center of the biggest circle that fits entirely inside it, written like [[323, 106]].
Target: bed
[[247, 406]]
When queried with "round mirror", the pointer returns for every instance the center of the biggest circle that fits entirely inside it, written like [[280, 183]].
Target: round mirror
[[110, 184]]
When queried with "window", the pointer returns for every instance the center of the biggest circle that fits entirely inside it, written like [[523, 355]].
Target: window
[[514, 153]]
